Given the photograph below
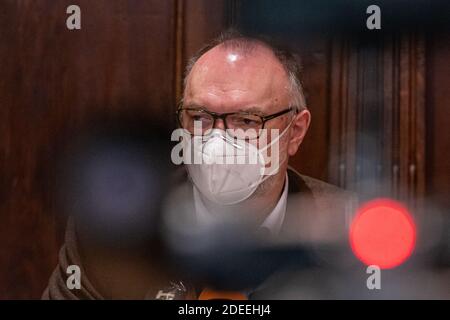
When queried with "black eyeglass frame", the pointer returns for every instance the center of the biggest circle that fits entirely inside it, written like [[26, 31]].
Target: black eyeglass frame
[[223, 116]]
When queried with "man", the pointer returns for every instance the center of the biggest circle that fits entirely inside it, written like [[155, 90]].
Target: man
[[242, 83], [237, 79]]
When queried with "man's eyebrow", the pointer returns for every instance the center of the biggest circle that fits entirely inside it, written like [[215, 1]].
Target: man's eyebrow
[[253, 109], [194, 106]]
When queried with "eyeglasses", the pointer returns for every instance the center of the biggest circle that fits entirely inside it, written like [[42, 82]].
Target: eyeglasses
[[240, 125]]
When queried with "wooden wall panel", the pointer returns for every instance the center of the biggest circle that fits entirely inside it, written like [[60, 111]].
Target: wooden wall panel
[[312, 156], [438, 121], [53, 79], [378, 118]]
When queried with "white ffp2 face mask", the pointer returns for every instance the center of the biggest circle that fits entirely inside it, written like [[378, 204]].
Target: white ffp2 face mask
[[231, 170]]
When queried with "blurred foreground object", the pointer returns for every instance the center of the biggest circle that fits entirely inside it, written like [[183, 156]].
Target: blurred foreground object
[[231, 256], [383, 233], [111, 181], [113, 177]]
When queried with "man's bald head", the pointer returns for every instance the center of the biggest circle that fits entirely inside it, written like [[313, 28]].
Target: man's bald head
[[228, 79], [234, 46]]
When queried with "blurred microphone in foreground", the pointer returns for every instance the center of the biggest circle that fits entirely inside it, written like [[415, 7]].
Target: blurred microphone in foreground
[[231, 260], [110, 181]]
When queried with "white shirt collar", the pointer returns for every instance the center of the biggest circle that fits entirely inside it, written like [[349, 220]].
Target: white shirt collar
[[273, 222]]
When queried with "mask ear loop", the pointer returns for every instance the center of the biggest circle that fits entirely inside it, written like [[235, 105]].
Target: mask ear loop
[[266, 176]]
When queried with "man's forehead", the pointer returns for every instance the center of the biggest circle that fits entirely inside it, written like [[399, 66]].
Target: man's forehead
[[232, 71], [233, 51], [228, 59]]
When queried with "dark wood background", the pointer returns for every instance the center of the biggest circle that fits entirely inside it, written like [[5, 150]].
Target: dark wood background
[[131, 54]]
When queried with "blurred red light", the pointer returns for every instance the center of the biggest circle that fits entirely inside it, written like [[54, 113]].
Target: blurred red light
[[383, 233]]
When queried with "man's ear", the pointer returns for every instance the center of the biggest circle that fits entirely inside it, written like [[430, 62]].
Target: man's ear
[[299, 127]]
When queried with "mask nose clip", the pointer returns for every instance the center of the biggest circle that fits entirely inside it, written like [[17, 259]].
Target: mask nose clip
[[222, 135]]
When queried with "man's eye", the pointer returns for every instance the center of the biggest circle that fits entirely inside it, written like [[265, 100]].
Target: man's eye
[[247, 121], [199, 117]]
